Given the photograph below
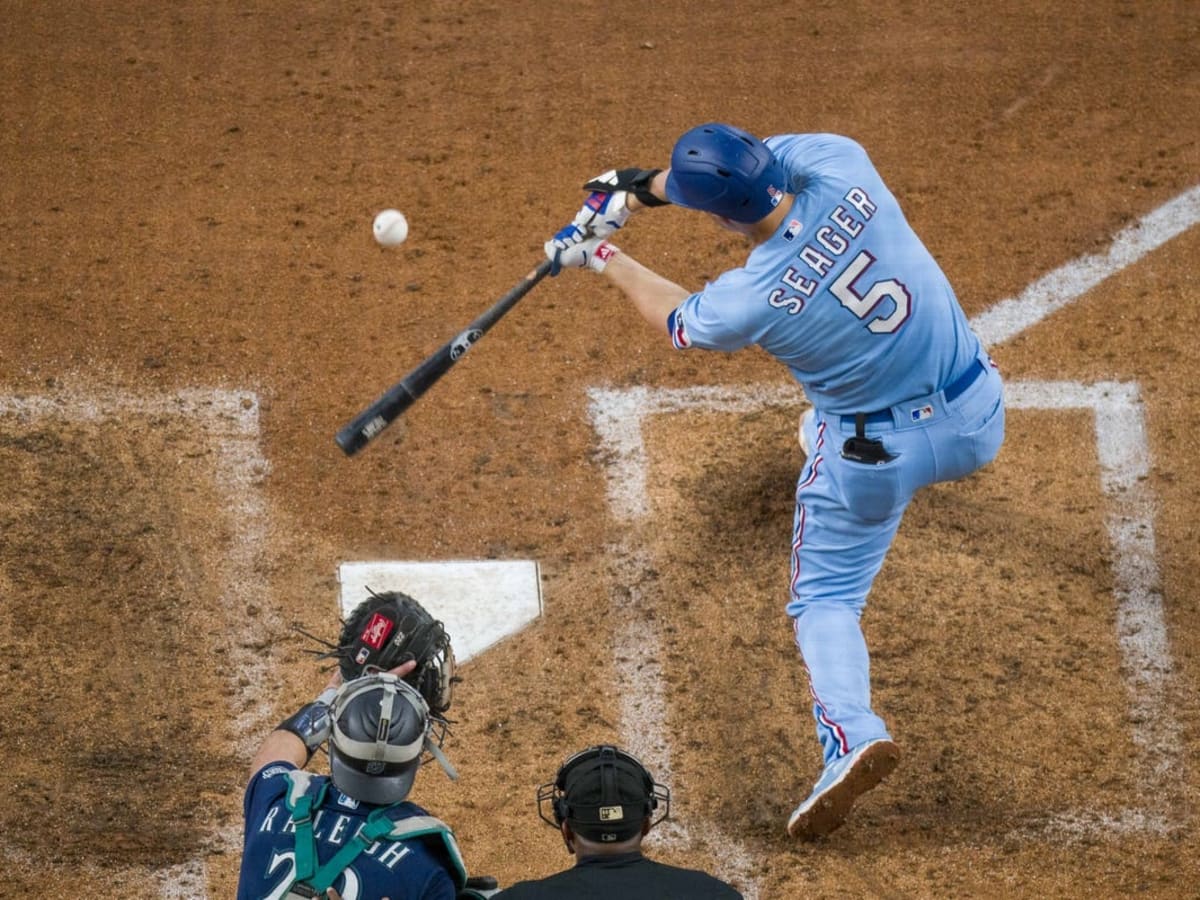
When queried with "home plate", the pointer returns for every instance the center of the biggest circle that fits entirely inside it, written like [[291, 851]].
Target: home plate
[[480, 602]]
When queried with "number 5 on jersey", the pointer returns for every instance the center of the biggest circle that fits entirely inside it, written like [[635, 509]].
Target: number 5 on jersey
[[864, 304]]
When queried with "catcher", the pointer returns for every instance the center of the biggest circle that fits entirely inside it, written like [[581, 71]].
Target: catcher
[[354, 833]]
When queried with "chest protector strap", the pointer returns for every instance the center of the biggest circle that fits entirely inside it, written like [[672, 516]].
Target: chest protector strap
[[305, 795]]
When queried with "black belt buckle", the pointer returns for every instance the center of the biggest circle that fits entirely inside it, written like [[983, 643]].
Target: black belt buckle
[[862, 449]]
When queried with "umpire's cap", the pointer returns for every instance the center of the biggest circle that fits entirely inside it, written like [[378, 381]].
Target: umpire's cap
[[724, 170], [605, 794], [380, 724]]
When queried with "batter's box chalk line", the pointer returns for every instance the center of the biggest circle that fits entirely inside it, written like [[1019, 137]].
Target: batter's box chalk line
[[1123, 456], [229, 422], [1066, 284]]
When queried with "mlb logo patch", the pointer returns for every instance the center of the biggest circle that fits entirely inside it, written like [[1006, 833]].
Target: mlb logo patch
[[921, 413], [775, 194], [793, 229]]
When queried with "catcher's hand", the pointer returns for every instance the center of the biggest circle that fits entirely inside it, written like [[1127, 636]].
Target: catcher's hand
[[391, 628]]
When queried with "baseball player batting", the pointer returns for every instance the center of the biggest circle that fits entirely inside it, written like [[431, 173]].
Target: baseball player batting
[[839, 289]]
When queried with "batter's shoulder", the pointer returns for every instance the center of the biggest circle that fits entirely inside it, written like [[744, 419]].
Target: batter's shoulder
[[818, 156], [815, 141]]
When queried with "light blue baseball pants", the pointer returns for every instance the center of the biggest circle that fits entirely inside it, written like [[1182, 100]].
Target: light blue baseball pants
[[846, 518]]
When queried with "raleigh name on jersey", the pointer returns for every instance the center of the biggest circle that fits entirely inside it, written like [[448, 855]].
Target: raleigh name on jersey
[[330, 827]]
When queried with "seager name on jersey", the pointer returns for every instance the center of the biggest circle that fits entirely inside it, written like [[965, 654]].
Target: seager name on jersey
[[833, 240]]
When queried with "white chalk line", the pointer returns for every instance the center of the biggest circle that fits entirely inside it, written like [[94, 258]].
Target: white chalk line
[[617, 417], [1123, 455], [1050, 293], [645, 708], [230, 419], [1146, 662]]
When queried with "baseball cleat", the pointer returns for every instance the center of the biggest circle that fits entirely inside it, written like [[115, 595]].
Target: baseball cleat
[[804, 420], [843, 781]]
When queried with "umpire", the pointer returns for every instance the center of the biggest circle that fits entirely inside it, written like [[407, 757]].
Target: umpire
[[604, 802], [352, 833]]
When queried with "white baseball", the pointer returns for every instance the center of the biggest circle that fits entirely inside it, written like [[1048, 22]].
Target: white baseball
[[391, 228]]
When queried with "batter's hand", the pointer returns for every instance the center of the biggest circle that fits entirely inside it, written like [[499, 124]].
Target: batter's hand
[[606, 208], [572, 248]]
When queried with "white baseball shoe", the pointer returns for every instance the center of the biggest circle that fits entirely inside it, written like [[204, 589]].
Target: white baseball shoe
[[804, 420], [843, 781]]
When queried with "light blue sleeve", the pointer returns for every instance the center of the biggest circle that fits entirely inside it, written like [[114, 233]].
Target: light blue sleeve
[[714, 318]]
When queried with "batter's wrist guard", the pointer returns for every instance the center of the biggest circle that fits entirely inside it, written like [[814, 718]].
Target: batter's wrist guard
[[641, 188], [633, 180], [311, 722]]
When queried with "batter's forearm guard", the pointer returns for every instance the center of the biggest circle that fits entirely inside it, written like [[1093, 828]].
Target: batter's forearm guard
[[634, 180]]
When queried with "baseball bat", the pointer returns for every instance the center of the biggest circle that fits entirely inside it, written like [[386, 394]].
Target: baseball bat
[[368, 424]]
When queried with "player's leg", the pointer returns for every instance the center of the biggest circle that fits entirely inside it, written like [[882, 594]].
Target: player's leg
[[835, 558], [835, 655]]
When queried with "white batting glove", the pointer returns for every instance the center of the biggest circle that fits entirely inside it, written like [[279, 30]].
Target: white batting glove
[[604, 211], [572, 248]]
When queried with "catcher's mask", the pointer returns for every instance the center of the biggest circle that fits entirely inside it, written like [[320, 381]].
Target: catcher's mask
[[605, 794], [726, 171], [380, 733]]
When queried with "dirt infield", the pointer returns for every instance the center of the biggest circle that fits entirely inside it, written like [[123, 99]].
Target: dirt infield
[[192, 305]]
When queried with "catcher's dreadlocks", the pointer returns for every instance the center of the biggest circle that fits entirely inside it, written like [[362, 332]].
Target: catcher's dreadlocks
[[391, 628]]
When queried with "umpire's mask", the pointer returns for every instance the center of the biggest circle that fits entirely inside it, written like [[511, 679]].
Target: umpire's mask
[[606, 794], [379, 733]]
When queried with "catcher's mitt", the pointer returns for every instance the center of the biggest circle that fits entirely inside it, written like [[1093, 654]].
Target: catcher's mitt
[[391, 628]]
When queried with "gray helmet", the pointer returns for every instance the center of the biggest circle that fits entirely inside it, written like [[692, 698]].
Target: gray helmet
[[380, 731]]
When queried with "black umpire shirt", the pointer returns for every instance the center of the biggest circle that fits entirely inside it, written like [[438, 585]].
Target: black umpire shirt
[[626, 876]]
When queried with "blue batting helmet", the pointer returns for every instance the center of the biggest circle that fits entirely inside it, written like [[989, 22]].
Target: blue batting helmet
[[723, 170]]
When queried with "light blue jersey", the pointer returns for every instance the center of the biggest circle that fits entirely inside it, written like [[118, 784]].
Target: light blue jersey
[[844, 293], [848, 298]]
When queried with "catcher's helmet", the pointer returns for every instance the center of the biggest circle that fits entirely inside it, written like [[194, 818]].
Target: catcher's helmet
[[605, 793], [724, 170], [380, 725]]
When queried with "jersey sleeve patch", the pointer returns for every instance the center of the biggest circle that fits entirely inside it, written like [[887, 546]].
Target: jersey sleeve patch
[[678, 329]]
